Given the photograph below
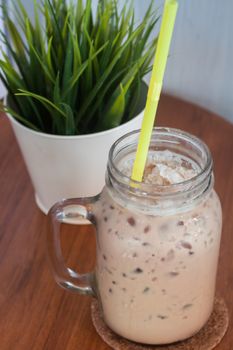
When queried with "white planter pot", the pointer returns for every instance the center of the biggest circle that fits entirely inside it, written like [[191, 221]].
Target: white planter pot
[[67, 166]]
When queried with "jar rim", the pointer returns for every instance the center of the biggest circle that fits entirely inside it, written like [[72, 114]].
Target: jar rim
[[168, 189]]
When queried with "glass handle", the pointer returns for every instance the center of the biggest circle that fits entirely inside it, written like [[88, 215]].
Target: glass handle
[[69, 211]]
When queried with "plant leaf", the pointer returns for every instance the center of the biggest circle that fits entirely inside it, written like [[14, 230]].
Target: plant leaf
[[70, 127], [113, 115], [19, 117], [47, 103], [74, 79], [106, 74]]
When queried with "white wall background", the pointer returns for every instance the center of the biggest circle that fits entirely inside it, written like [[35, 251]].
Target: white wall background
[[200, 66]]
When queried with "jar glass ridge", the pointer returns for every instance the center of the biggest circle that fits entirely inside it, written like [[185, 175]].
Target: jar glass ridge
[[184, 193]]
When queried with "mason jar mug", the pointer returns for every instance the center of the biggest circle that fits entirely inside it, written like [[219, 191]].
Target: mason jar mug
[[157, 243]]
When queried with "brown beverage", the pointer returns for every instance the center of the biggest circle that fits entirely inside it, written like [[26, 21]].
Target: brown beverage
[[156, 270], [157, 241]]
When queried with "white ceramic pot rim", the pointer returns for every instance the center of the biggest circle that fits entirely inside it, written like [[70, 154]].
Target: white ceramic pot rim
[[70, 137]]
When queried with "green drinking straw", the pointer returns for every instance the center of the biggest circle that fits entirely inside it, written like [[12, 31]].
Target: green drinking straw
[[165, 35]]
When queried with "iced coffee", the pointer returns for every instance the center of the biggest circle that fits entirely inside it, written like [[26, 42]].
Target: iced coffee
[[156, 263], [157, 240]]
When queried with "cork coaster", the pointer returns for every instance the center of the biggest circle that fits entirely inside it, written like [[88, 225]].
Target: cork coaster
[[206, 339]]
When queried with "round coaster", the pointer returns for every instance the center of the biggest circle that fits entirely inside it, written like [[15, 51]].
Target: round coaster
[[206, 339]]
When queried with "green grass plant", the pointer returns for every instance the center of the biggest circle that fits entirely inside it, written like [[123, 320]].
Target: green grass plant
[[71, 71]]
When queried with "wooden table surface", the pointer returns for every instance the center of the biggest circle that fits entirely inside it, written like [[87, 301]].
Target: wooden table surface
[[34, 312]]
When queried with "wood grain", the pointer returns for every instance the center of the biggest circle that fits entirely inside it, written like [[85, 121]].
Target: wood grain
[[34, 312]]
